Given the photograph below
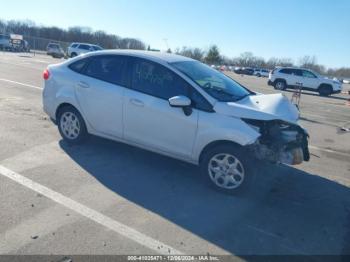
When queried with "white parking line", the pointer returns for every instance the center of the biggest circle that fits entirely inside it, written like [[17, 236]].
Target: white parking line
[[18, 83], [91, 214], [328, 150]]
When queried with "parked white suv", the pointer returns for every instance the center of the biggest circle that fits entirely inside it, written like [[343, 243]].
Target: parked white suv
[[289, 77], [174, 106], [76, 49]]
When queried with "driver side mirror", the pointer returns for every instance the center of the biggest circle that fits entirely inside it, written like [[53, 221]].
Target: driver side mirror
[[179, 101], [182, 101]]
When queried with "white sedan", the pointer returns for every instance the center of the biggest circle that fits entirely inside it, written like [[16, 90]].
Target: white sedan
[[174, 106]]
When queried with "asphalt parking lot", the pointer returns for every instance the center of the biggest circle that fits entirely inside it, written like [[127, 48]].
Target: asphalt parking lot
[[104, 197]]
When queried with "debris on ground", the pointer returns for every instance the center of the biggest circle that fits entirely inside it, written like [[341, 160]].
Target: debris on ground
[[34, 237], [65, 259]]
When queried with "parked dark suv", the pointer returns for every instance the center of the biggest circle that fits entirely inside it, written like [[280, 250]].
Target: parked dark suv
[[244, 71]]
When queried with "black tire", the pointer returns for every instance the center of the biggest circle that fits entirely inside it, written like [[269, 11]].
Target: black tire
[[325, 90], [73, 55], [258, 75], [74, 137], [280, 84], [245, 165]]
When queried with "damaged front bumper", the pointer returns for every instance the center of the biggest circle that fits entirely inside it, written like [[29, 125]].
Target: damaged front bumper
[[280, 142]]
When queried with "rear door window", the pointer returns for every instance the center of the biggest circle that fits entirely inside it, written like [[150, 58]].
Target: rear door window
[[297, 72], [108, 68], [79, 66], [84, 47], [286, 71]]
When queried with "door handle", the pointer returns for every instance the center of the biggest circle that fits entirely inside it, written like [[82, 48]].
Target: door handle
[[137, 102], [83, 84]]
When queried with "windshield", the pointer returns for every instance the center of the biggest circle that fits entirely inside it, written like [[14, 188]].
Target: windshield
[[213, 82]]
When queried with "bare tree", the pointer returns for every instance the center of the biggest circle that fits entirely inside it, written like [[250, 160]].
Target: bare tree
[[74, 34], [195, 53]]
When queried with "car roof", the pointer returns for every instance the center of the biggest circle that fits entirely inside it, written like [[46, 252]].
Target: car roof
[[291, 67], [152, 55], [76, 43]]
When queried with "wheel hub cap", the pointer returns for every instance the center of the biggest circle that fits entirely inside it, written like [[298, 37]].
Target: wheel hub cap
[[226, 171], [70, 125]]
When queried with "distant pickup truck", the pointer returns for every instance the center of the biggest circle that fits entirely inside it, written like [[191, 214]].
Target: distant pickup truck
[[5, 42]]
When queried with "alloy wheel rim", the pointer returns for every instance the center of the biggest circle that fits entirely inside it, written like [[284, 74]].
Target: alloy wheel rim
[[226, 171], [280, 85], [70, 125]]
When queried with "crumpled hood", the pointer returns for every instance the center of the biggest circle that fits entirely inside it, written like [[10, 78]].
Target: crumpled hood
[[260, 107]]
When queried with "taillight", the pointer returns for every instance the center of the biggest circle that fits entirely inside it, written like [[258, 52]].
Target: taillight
[[46, 74]]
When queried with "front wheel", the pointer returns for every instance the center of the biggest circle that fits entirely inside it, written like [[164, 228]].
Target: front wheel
[[325, 90], [226, 169], [280, 85], [71, 125]]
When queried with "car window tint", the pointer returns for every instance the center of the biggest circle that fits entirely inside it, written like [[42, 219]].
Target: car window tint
[[84, 47], [107, 68], [156, 80], [198, 101], [78, 66], [286, 71], [75, 45], [96, 48], [296, 72], [308, 74]]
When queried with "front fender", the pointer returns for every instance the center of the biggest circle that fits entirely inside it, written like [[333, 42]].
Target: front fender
[[214, 127]]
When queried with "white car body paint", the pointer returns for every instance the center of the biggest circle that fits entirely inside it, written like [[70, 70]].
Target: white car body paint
[[312, 83], [129, 116], [261, 107]]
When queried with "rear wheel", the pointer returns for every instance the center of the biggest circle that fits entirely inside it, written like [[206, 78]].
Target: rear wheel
[[280, 85], [226, 169], [325, 90], [71, 125]]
